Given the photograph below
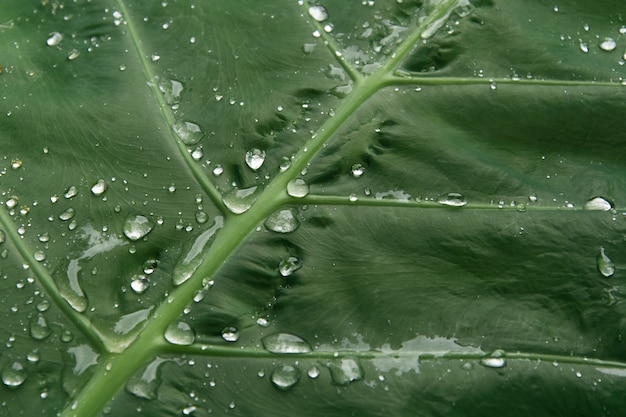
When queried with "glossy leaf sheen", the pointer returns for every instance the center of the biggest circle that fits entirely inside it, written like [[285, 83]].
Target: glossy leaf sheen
[[440, 254]]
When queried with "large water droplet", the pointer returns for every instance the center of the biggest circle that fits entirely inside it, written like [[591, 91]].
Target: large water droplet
[[345, 371], [452, 199], [13, 376], [608, 44], [285, 343], [39, 328], [605, 265], [239, 200], [297, 188], [67, 214], [188, 132], [318, 12], [180, 333], [495, 360], [288, 266], [285, 377], [137, 226], [230, 334], [283, 221], [255, 158], [598, 203]]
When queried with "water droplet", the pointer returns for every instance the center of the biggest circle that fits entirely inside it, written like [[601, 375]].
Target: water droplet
[[285, 343], [197, 154], [67, 214], [180, 333], [288, 266], [297, 188], [139, 284], [16, 163], [74, 53], [39, 328], [54, 39], [172, 91], [283, 221], [39, 256], [605, 265], [137, 226], [318, 12], [285, 163], [285, 377], [495, 360], [230, 334], [218, 170], [345, 371], [13, 376], [11, 202], [453, 200], [3, 236], [313, 372], [255, 158], [71, 192], [239, 200], [201, 217], [584, 47], [598, 203], [608, 44], [99, 187], [188, 132], [357, 170]]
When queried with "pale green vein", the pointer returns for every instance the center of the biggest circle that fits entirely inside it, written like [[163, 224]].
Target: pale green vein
[[227, 351], [399, 79], [330, 43], [331, 200], [166, 113], [47, 282]]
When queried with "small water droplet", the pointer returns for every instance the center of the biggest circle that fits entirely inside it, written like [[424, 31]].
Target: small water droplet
[[201, 217], [197, 154], [39, 256], [13, 376], [230, 334], [285, 343], [67, 214], [39, 328], [139, 284], [313, 372], [283, 221], [608, 44], [54, 39], [137, 226], [605, 265], [285, 377], [255, 158], [288, 266], [11, 203], [145, 384], [3, 236], [495, 360], [71, 192], [598, 203], [180, 333], [188, 132], [239, 200], [74, 53], [345, 371], [584, 47], [16, 163], [452, 199], [297, 188], [318, 12], [99, 187], [357, 170]]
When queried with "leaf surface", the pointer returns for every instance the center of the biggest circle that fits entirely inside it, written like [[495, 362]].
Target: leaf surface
[[291, 208]]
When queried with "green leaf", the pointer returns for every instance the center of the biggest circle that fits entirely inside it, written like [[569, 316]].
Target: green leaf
[[290, 208]]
